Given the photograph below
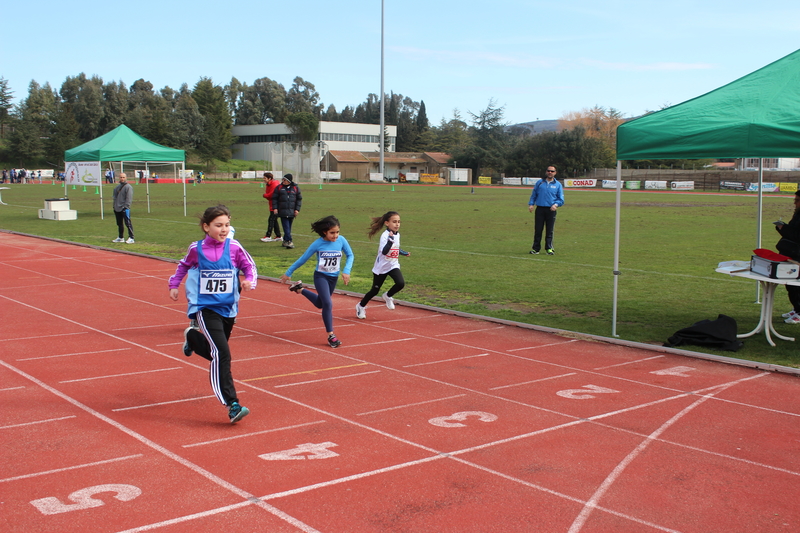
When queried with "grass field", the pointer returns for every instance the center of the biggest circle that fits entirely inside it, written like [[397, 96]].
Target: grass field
[[469, 249]]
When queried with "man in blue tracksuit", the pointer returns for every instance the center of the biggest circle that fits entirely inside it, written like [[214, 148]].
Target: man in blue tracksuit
[[547, 197]]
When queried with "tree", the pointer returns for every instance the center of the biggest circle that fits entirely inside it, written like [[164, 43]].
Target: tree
[[187, 122], [65, 135], [211, 103], [115, 99], [570, 151], [486, 151], [303, 98], [6, 96], [304, 126], [597, 122]]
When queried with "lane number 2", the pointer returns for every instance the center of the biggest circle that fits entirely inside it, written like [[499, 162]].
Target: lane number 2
[[584, 393]]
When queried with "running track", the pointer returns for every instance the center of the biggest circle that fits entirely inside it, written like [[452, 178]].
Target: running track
[[422, 421]]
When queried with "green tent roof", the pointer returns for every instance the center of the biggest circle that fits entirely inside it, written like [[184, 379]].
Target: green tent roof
[[123, 144], [755, 116]]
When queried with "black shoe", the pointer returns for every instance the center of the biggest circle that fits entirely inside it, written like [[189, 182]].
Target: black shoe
[[534, 252], [187, 351], [333, 342], [297, 286]]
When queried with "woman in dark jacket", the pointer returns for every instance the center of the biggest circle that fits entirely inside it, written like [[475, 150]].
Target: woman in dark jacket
[[286, 201], [789, 245]]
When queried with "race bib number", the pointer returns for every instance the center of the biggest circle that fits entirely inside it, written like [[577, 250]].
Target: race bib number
[[216, 281], [394, 253], [329, 262]]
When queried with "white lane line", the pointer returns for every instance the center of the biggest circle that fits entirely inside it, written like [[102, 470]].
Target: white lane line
[[446, 360], [76, 467], [469, 331], [71, 354], [410, 405], [630, 362], [326, 379], [38, 422], [122, 375], [533, 381], [145, 406], [11, 388], [239, 360], [377, 343], [41, 336], [253, 434], [542, 345]]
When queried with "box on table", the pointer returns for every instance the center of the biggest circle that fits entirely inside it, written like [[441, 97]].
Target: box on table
[[774, 269], [57, 204]]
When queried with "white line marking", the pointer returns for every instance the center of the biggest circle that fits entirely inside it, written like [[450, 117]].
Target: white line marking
[[162, 403], [533, 381], [542, 345], [253, 434], [121, 375], [41, 336], [11, 388], [326, 379], [630, 362], [446, 360], [377, 343], [38, 422], [239, 360], [309, 329], [71, 354], [76, 467], [468, 332], [410, 405]]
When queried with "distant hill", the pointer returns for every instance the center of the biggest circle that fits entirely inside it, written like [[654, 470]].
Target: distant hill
[[535, 127]]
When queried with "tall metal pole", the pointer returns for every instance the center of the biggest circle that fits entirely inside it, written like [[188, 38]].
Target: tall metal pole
[[382, 98]]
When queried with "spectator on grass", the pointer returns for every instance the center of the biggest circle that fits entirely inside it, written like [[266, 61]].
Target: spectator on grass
[[123, 198], [547, 196], [273, 224], [789, 245], [286, 202]]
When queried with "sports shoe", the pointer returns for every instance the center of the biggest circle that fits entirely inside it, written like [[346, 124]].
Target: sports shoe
[[236, 412], [534, 252], [297, 286], [790, 313], [265, 239], [130, 241], [388, 299], [550, 251], [794, 319], [289, 244], [361, 311], [118, 239], [333, 342], [187, 350]]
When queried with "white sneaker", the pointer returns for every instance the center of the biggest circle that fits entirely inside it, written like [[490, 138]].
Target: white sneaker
[[118, 239], [130, 241], [790, 313], [388, 299], [361, 312], [794, 319], [266, 239]]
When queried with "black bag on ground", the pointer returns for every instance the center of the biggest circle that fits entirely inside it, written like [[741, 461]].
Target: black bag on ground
[[719, 333]]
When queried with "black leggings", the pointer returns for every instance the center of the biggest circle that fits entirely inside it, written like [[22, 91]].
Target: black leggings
[[377, 283], [211, 343]]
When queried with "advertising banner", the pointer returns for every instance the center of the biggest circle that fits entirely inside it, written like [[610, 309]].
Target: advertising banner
[[765, 187], [249, 174], [785, 187], [512, 181], [485, 180], [732, 185], [655, 185], [609, 184], [682, 185], [412, 176], [530, 181], [330, 175], [459, 175], [375, 176], [84, 173], [580, 183], [429, 178], [633, 185]]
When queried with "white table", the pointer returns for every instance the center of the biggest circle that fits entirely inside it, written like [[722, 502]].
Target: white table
[[768, 286]]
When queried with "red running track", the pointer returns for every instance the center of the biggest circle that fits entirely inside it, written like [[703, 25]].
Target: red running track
[[422, 421]]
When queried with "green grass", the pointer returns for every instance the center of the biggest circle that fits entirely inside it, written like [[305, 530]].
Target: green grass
[[469, 250]]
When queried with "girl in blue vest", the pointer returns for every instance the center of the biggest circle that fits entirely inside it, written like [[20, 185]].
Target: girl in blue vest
[[213, 293], [330, 247]]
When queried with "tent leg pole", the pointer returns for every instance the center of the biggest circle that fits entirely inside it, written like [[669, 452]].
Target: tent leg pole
[[758, 218], [616, 251]]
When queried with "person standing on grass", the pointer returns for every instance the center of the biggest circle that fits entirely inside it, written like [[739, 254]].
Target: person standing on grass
[[289, 201], [212, 288], [270, 185], [330, 247], [547, 197], [789, 245], [387, 263], [123, 198]]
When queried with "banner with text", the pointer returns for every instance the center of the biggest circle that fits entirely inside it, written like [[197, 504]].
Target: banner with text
[[83, 173], [580, 183]]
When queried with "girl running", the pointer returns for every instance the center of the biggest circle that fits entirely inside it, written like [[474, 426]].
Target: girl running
[[212, 289], [386, 264], [329, 249]]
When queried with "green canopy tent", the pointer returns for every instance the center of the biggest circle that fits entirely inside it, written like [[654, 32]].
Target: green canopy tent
[[123, 145], [756, 116]]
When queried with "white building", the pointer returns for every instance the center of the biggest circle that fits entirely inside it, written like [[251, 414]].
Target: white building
[[783, 163], [256, 141]]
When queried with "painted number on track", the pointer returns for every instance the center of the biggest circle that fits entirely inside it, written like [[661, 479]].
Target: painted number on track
[[303, 451], [586, 393], [674, 371], [454, 420], [83, 499]]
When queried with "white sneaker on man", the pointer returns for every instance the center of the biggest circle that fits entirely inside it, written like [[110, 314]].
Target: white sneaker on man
[[361, 312], [130, 241], [790, 313], [266, 239], [388, 299], [118, 239], [794, 319]]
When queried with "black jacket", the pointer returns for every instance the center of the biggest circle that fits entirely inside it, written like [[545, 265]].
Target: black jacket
[[287, 199]]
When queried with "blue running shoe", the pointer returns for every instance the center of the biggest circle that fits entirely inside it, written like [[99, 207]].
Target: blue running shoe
[[236, 412]]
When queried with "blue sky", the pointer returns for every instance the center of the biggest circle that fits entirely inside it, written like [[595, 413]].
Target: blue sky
[[537, 59]]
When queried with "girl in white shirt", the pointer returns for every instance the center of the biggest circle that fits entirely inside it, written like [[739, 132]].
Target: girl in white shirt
[[386, 264]]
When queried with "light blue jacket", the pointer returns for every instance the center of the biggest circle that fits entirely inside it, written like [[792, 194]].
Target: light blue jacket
[[546, 193]]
